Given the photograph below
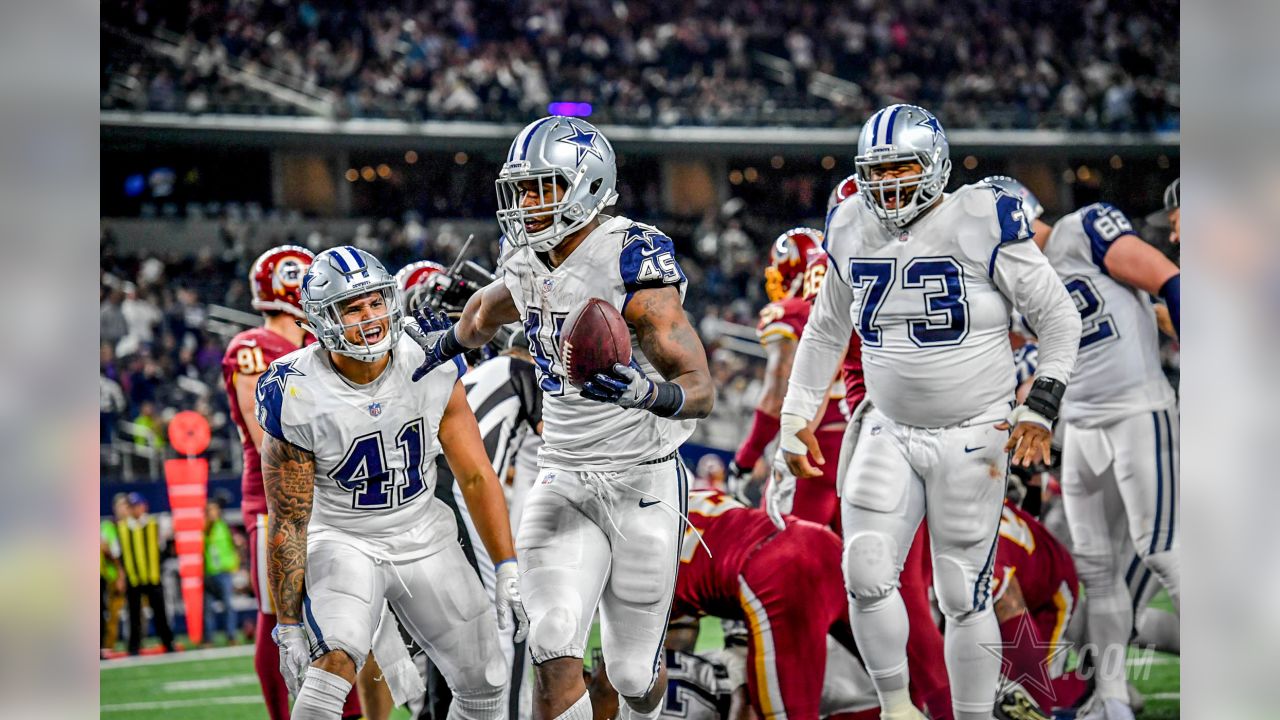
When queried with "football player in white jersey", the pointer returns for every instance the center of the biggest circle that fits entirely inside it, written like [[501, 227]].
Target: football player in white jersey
[[602, 524], [1119, 429], [928, 279], [348, 462]]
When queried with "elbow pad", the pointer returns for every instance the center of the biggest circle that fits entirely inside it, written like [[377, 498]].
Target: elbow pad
[[1045, 397], [1172, 294]]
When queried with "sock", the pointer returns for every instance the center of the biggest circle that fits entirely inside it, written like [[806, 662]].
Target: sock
[[321, 697], [973, 664], [1109, 612], [266, 662], [482, 706], [882, 641], [580, 710], [1166, 569]]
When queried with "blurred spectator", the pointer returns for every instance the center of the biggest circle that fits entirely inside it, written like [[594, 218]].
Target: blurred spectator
[[221, 561], [112, 572], [140, 551], [710, 473], [1102, 65], [148, 429]]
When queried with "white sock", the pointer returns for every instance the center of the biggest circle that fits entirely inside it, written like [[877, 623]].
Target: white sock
[[881, 635], [1109, 612], [321, 697], [971, 646], [580, 710]]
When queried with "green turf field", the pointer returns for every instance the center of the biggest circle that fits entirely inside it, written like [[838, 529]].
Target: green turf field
[[219, 684]]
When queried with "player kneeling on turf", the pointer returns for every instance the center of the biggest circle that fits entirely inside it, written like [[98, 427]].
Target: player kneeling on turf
[[348, 461]]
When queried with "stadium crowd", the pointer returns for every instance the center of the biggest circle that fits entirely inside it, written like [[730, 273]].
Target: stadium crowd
[[161, 353], [1103, 64]]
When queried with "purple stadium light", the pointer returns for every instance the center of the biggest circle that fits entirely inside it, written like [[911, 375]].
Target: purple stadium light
[[572, 109]]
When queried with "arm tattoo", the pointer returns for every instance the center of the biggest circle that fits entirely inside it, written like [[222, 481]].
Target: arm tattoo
[[673, 347], [288, 474]]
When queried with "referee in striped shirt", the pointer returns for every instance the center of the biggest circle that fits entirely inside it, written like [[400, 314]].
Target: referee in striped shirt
[[503, 393]]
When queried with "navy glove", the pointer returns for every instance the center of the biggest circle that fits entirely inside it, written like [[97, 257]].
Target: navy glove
[[435, 335], [621, 385]]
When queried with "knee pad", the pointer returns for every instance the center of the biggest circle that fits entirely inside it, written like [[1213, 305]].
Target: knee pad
[[1166, 568], [870, 565], [553, 634], [632, 677], [960, 591]]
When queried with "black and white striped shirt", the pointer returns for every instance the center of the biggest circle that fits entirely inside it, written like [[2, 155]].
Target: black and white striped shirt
[[503, 393]]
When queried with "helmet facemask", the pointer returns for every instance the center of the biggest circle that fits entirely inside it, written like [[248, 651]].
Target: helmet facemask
[[912, 194], [327, 325], [565, 217]]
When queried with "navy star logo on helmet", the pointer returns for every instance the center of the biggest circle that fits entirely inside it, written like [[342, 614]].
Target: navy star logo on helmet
[[932, 123], [584, 141]]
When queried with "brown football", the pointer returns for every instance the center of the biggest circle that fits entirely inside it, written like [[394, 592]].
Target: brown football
[[595, 336]]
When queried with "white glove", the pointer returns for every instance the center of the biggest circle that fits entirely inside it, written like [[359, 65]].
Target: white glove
[[781, 492], [1022, 414], [295, 654], [509, 600]]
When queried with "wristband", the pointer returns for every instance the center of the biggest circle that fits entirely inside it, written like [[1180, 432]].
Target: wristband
[[1045, 397], [450, 345], [668, 399], [787, 438], [500, 563]]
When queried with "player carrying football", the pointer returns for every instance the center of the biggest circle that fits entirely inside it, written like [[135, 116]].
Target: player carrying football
[[602, 524], [348, 462], [928, 280]]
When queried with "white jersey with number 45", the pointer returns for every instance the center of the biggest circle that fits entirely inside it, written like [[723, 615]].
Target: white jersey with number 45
[[618, 259], [375, 448], [931, 304], [1118, 373]]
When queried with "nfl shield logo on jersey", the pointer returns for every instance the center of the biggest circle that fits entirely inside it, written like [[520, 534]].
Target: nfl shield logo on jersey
[[375, 409]]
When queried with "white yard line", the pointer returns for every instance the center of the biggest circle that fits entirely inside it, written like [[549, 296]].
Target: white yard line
[[1164, 696], [171, 704], [178, 657], [1143, 660], [210, 683]]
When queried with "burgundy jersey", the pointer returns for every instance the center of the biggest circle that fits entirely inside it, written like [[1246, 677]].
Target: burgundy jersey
[[1027, 550], [708, 584], [786, 319], [250, 353], [854, 387]]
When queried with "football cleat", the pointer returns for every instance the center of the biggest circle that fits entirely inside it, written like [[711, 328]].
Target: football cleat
[[1015, 703]]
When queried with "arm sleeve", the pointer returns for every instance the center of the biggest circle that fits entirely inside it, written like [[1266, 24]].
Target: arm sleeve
[[648, 260], [524, 379], [1023, 274], [1103, 225], [822, 348], [269, 408]]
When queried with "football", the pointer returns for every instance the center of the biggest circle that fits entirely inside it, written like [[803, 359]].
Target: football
[[595, 336]]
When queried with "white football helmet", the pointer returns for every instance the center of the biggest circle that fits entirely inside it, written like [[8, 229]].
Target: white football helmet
[[574, 154], [896, 134], [339, 274]]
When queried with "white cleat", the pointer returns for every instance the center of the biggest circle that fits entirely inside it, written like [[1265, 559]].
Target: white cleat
[[1108, 709]]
